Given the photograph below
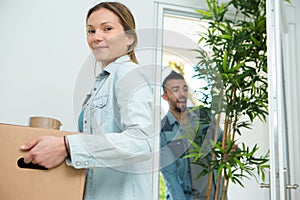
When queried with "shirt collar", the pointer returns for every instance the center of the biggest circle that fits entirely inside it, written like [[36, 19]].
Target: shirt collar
[[112, 67], [171, 118]]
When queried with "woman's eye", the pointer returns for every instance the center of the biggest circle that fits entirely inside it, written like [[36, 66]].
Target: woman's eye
[[107, 28], [90, 31]]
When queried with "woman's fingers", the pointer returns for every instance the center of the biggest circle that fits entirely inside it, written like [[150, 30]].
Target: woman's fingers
[[30, 144]]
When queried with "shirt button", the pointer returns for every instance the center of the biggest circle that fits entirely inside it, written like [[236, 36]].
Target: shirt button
[[77, 163], [95, 89], [85, 121], [101, 104], [86, 163]]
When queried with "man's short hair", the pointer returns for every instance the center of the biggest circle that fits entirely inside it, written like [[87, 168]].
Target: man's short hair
[[172, 76]]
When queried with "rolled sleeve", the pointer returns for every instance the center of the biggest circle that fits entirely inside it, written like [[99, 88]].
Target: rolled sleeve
[[80, 156], [109, 150]]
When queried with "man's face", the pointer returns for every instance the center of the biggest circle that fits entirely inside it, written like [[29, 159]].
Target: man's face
[[176, 93]]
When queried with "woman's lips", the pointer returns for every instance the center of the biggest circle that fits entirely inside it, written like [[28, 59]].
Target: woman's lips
[[100, 47]]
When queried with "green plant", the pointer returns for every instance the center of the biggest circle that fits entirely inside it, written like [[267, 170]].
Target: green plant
[[162, 188], [235, 70]]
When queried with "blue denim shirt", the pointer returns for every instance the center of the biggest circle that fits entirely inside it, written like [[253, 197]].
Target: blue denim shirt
[[180, 173], [117, 143]]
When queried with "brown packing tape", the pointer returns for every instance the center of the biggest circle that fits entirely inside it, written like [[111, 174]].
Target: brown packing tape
[[61, 183], [44, 122]]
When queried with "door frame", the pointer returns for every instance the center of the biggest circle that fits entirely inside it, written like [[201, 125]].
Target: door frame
[[283, 115]]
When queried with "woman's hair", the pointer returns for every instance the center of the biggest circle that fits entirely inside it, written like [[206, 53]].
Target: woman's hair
[[126, 20]]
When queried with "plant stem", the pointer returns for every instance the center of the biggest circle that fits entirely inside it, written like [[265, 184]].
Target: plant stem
[[213, 157], [218, 186]]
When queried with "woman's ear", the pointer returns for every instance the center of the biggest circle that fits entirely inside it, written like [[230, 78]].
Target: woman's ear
[[130, 40]]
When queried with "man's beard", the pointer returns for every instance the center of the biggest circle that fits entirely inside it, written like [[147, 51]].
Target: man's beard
[[180, 109], [181, 101]]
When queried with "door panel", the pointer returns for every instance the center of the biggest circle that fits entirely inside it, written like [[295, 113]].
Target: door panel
[[283, 94]]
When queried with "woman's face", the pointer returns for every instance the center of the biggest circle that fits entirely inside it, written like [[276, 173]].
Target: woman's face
[[106, 36]]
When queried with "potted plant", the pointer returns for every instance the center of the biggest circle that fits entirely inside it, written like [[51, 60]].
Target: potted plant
[[235, 70]]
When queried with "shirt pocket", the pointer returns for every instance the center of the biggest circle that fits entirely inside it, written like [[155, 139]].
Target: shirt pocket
[[99, 111], [100, 102]]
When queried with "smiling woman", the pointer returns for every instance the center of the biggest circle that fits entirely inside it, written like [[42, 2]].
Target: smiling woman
[[116, 118], [107, 36]]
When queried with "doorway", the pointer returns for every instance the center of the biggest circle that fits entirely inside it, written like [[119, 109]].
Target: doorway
[[180, 34]]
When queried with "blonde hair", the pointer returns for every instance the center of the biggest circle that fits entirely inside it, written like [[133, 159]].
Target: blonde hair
[[126, 20]]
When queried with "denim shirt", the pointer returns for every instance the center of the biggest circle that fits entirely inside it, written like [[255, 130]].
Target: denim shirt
[[117, 143], [180, 173]]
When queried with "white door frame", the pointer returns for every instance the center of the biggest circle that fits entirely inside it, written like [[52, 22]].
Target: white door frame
[[283, 107]]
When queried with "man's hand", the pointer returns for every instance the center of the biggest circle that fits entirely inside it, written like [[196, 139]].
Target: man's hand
[[47, 151]]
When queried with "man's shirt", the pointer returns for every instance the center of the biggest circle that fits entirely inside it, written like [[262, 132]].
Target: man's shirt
[[180, 173]]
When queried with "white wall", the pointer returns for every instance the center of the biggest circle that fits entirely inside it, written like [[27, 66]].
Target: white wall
[[43, 47], [42, 51]]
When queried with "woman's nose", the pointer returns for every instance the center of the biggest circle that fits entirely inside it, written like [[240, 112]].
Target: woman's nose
[[98, 36]]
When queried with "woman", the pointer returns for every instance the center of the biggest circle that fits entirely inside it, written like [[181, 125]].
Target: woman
[[116, 117]]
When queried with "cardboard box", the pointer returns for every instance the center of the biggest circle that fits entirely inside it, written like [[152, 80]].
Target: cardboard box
[[61, 183]]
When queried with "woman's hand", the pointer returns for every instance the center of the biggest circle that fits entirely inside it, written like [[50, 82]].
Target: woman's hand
[[47, 151]]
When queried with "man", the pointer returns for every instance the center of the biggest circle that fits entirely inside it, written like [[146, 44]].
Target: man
[[180, 127]]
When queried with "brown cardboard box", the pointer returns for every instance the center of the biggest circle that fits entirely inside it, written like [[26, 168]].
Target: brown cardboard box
[[60, 183]]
